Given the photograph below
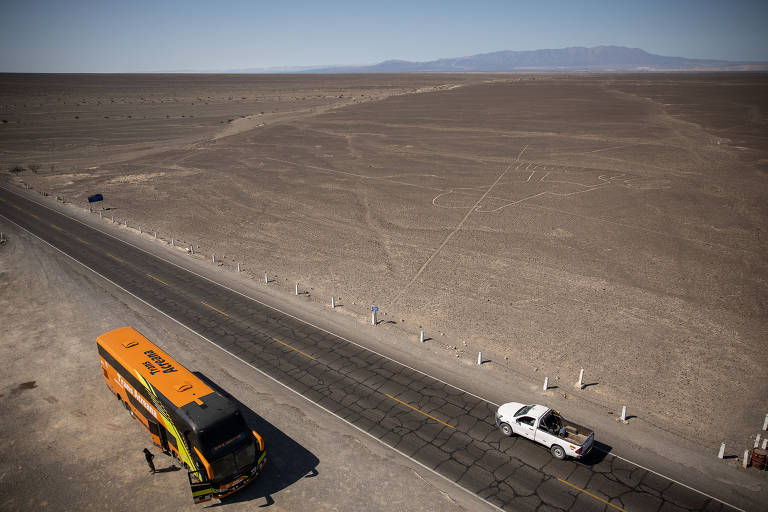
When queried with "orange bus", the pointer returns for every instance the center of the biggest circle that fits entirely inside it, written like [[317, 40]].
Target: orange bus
[[184, 416]]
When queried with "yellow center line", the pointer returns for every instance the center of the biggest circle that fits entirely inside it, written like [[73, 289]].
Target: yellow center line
[[34, 216], [420, 412], [158, 280], [81, 240], [54, 226], [16, 206], [295, 349], [115, 257], [213, 308], [598, 498]]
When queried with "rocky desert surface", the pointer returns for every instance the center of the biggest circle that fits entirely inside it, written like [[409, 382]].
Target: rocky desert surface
[[553, 222]]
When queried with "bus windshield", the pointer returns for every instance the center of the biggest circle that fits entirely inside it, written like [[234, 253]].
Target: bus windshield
[[233, 462], [223, 435]]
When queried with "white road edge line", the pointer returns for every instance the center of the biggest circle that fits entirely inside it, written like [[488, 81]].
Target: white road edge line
[[675, 481], [470, 493], [332, 334]]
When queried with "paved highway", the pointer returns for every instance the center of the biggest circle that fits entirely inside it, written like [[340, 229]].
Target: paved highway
[[443, 428]]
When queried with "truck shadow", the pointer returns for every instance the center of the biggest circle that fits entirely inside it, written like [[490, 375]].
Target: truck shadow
[[598, 453], [287, 461]]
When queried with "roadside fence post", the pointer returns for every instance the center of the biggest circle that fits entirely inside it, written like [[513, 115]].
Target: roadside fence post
[[297, 288], [479, 358], [213, 258], [421, 336], [333, 302], [721, 453], [546, 384], [580, 384], [624, 413]]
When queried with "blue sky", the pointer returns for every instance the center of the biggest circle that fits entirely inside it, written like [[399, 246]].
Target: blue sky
[[157, 35]]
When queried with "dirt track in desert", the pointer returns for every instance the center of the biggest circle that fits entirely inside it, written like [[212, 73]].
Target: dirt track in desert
[[612, 223]]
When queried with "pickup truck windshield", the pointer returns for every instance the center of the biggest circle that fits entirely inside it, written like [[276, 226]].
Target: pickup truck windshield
[[524, 409]]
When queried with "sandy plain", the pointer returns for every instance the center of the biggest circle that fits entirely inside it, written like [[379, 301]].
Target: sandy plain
[[613, 223]]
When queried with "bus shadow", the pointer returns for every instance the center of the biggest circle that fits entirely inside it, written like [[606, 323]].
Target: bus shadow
[[287, 461]]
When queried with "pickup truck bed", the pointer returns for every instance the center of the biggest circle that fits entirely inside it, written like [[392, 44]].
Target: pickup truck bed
[[574, 433]]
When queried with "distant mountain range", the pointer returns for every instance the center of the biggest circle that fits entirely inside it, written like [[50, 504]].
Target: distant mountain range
[[596, 59]]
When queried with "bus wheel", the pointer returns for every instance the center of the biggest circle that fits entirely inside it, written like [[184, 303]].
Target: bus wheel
[[557, 452]]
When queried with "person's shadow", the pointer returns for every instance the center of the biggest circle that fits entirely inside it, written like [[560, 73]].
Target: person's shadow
[[287, 460]]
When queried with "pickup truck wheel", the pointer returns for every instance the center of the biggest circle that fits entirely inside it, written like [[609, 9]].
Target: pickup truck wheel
[[506, 429], [557, 452]]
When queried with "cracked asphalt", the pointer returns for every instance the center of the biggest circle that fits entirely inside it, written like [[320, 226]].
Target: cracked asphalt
[[434, 423]]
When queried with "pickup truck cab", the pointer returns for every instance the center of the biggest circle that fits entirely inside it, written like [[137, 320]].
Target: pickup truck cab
[[545, 426]]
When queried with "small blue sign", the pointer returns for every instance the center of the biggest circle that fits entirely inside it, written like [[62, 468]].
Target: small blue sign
[[95, 198], [374, 308]]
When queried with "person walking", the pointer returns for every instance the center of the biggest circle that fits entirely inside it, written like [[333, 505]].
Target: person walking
[[149, 456]]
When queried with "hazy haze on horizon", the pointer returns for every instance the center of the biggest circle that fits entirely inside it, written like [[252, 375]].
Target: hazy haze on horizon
[[144, 36]]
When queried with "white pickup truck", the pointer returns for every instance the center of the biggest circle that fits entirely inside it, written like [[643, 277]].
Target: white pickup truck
[[545, 426]]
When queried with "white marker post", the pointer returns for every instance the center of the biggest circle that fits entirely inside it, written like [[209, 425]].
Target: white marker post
[[297, 288], [173, 243], [333, 302], [213, 258], [624, 413], [155, 235], [139, 229], [191, 249], [721, 453], [765, 422], [546, 384], [113, 219], [745, 462], [238, 267], [580, 384], [101, 214], [266, 278], [479, 358], [421, 336], [373, 317]]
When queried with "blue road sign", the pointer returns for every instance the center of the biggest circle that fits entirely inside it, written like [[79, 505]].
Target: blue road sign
[[95, 198], [374, 308]]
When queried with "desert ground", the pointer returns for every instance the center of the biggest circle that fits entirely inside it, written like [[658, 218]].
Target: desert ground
[[67, 445], [553, 222]]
